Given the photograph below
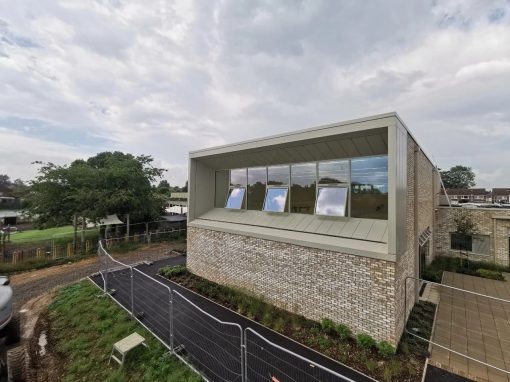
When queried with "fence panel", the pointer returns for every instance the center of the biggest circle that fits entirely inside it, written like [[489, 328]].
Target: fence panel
[[266, 361], [151, 305], [213, 347]]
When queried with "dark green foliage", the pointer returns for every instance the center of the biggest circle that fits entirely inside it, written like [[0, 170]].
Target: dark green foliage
[[489, 274], [343, 331], [108, 183], [365, 341], [324, 342], [386, 349], [435, 270], [173, 271], [458, 177], [328, 326]]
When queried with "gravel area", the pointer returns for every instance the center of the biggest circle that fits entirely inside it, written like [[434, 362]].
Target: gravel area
[[29, 285]]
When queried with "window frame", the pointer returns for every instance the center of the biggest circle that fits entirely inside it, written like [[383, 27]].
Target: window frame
[[347, 212], [287, 199], [336, 185], [243, 202]]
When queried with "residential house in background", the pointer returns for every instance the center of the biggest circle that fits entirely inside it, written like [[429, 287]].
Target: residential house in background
[[468, 195], [501, 195], [326, 222]]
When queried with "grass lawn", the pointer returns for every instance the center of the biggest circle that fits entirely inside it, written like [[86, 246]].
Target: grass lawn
[[65, 232], [83, 328]]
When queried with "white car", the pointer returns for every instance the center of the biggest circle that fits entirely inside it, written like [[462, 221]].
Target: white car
[[5, 302]]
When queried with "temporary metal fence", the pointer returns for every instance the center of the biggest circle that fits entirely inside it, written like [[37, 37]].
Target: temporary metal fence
[[217, 350], [266, 361], [460, 306]]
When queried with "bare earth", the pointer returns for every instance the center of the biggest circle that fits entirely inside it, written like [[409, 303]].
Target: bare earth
[[34, 291], [29, 285]]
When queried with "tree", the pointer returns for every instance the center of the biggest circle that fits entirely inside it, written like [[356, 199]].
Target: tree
[[19, 189], [185, 188], [458, 177], [5, 183], [108, 183]]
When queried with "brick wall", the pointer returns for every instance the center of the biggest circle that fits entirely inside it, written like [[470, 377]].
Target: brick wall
[[492, 222], [354, 290]]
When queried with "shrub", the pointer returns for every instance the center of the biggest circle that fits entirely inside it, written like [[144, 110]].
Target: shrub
[[327, 326], [343, 331], [385, 349], [172, 271], [279, 324], [489, 274], [324, 343], [365, 341]]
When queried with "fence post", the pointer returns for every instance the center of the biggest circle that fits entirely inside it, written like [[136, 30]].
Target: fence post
[[171, 320], [244, 356], [132, 291]]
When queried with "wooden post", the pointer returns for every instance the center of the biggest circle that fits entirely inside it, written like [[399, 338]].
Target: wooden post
[[83, 226], [2, 245], [75, 226], [127, 227]]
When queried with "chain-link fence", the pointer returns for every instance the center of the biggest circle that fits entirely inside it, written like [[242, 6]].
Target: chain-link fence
[[217, 350]]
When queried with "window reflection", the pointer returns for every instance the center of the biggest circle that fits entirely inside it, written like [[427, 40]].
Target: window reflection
[[369, 187], [278, 175], [238, 177], [276, 199], [256, 187], [334, 172], [303, 177], [236, 198], [331, 201]]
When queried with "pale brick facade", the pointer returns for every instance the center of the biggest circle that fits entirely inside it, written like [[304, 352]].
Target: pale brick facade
[[362, 289], [355, 290], [492, 222]]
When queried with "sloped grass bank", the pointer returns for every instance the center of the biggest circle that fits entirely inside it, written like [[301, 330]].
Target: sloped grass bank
[[335, 340], [82, 330]]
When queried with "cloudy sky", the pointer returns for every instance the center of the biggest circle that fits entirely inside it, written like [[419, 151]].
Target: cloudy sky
[[162, 77]]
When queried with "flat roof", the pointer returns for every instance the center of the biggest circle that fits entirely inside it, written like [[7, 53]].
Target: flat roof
[[335, 128]]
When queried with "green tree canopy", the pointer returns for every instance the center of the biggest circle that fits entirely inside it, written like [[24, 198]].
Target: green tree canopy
[[458, 177], [108, 183]]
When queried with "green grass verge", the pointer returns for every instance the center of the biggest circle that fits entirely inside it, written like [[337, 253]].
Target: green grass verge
[[83, 328], [64, 233], [34, 264]]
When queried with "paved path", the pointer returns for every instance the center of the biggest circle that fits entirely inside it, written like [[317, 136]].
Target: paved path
[[150, 308], [475, 326]]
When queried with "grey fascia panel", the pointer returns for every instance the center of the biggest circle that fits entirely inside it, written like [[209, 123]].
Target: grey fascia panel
[[329, 243], [357, 125]]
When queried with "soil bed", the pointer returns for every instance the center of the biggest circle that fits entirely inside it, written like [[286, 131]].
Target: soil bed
[[326, 337]]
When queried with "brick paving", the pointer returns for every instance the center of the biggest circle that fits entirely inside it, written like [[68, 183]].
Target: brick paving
[[475, 326]]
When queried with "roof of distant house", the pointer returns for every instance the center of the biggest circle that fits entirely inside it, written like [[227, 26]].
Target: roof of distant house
[[466, 191], [500, 191]]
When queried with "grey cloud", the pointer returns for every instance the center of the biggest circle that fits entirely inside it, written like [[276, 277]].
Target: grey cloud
[[164, 78]]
